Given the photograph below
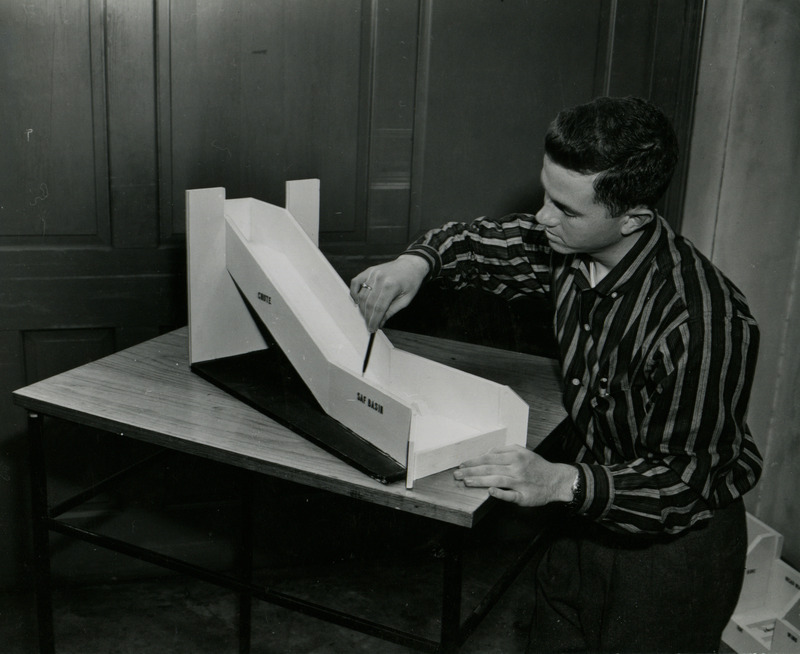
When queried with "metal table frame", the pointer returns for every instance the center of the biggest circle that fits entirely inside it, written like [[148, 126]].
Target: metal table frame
[[45, 518]]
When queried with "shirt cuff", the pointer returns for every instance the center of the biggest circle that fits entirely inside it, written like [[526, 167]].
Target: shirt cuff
[[599, 491], [430, 255]]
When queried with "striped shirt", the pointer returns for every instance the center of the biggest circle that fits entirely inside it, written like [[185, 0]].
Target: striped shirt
[[657, 362]]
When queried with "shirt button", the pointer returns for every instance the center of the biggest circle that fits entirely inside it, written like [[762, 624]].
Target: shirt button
[[576, 381], [614, 294], [586, 327]]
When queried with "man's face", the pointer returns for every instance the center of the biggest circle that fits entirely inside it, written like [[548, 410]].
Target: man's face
[[574, 222]]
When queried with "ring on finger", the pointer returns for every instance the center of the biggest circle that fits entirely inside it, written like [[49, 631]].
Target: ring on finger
[[367, 286]]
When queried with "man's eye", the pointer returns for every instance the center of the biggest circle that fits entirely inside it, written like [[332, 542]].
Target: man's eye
[[559, 206]]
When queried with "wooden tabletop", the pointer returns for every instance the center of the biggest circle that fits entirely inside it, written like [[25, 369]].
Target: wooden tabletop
[[148, 392]]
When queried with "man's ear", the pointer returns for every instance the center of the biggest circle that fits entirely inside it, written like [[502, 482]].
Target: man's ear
[[636, 218]]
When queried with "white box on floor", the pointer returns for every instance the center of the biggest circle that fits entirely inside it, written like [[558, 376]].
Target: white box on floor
[[753, 629], [764, 546], [786, 637]]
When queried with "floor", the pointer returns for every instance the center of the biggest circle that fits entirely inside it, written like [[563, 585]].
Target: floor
[[179, 615]]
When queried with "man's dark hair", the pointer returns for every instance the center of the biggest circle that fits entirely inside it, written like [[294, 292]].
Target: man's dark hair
[[628, 140]]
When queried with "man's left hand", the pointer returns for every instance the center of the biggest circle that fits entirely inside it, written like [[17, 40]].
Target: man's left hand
[[516, 474]]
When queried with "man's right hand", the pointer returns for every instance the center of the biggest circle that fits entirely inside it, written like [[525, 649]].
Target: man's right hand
[[381, 291]]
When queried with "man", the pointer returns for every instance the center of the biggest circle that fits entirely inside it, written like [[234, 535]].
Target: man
[[657, 352]]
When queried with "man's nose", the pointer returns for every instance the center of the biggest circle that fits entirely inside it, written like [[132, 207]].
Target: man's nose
[[546, 216]]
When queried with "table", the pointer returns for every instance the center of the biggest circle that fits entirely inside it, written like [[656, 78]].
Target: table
[[149, 393]]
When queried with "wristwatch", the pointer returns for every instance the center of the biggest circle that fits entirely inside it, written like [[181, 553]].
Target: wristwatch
[[578, 491]]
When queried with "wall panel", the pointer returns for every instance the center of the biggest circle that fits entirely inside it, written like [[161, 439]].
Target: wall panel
[[130, 75], [394, 45], [47, 167], [265, 93], [497, 74], [49, 352]]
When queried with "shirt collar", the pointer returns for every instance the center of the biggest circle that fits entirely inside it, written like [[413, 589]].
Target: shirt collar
[[636, 260]]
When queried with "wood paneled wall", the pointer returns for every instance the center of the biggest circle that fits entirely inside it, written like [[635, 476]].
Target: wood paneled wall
[[83, 269], [411, 112]]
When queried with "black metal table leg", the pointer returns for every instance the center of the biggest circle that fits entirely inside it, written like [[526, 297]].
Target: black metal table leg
[[451, 591], [41, 538], [246, 561]]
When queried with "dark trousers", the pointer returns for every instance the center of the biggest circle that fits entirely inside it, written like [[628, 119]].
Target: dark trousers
[[599, 592]]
